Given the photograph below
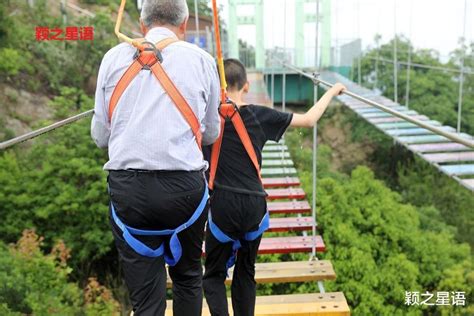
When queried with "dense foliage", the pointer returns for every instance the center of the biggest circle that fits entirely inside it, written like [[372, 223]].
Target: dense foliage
[[49, 65], [37, 284], [432, 92], [379, 245], [58, 186]]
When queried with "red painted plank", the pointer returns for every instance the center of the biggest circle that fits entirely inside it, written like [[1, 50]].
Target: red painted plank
[[286, 224], [450, 157], [426, 148], [289, 193], [292, 244], [469, 183], [280, 182], [273, 245], [292, 207]]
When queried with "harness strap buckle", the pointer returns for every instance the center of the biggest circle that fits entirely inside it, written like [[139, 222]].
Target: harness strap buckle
[[225, 109]]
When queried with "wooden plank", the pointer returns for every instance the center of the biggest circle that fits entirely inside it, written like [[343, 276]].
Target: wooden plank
[[315, 304], [438, 147], [291, 207], [274, 143], [468, 183], [416, 131], [423, 139], [403, 125], [280, 182], [275, 148], [277, 163], [395, 119], [287, 193], [272, 245], [371, 109], [450, 157], [385, 114], [286, 224], [275, 155], [278, 172], [291, 244], [458, 170], [288, 272]]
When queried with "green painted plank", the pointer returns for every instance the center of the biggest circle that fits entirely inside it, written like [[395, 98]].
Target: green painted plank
[[273, 143], [275, 148], [278, 171], [385, 114], [277, 162], [416, 131], [425, 139], [376, 110], [402, 125], [272, 155]]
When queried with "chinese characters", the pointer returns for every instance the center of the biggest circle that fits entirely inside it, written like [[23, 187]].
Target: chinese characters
[[69, 33], [440, 299]]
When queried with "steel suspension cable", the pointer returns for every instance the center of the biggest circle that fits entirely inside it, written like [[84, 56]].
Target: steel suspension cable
[[283, 84], [395, 64], [461, 77], [410, 48], [14, 141], [418, 65], [197, 40], [452, 136]]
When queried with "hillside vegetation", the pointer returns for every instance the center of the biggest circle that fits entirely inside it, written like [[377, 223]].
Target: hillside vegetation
[[56, 251]]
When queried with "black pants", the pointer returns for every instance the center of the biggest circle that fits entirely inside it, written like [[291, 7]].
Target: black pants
[[235, 214], [156, 201]]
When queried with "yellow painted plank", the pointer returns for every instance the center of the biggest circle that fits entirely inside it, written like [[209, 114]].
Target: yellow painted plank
[[291, 271], [318, 304]]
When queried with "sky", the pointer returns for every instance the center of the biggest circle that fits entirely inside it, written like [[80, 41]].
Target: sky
[[436, 24]]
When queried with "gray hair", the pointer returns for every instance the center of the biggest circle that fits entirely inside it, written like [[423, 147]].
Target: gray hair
[[173, 12]]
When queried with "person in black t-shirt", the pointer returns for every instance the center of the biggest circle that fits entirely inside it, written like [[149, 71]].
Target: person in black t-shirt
[[238, 201]]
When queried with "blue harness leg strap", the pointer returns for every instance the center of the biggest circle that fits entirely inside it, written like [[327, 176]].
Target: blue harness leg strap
[[236, 244], [174, 243]]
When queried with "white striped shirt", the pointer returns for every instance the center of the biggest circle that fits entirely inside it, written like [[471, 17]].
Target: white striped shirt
[[147, 130]]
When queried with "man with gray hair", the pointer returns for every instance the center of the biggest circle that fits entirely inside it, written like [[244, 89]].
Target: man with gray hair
[[156, 180]]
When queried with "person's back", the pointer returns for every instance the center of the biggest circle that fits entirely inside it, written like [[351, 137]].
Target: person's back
[[146, 124], [154, 126], [238, 214], [235, 171]]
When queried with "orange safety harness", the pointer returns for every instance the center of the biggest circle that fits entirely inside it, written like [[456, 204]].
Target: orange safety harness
[[150, 58], [228, 112]]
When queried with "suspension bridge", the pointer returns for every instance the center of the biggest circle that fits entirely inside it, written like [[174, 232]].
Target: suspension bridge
[[293, 216]]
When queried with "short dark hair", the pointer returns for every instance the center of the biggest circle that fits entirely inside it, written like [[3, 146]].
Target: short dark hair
[[235, 74]]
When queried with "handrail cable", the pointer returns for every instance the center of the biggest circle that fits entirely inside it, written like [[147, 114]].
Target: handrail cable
[[452, 136], [418, 65], [6, 144]]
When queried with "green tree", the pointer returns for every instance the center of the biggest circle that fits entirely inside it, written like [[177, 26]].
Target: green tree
[[433, 92], [381, 246], [58, 187], [34, 283]]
